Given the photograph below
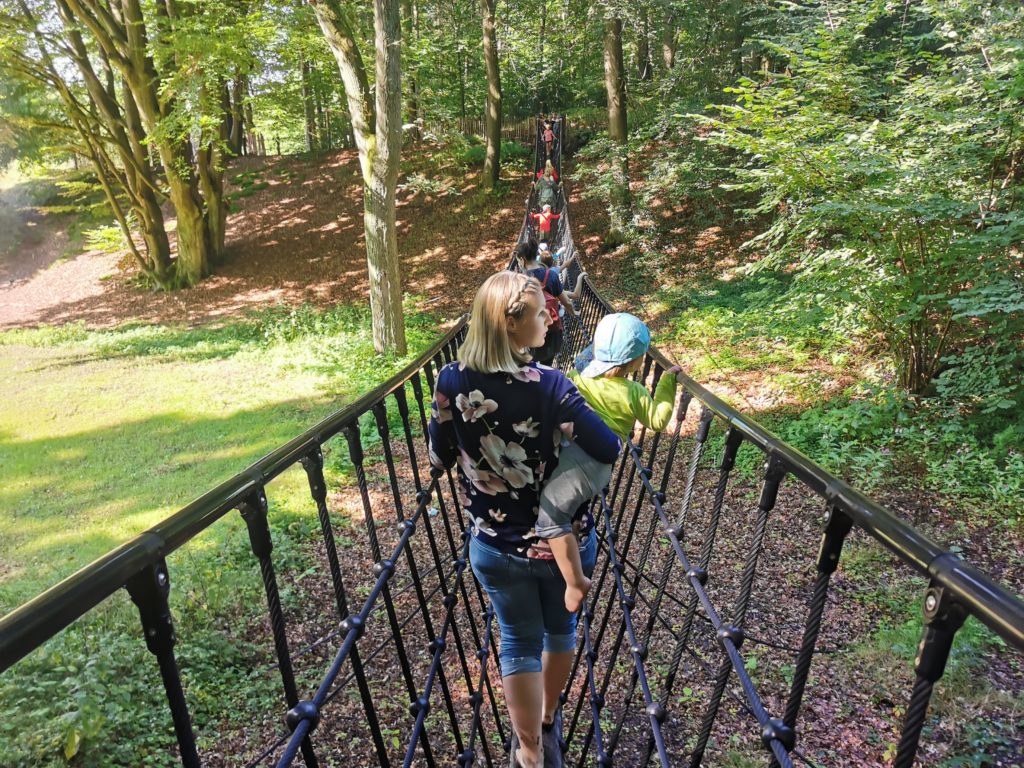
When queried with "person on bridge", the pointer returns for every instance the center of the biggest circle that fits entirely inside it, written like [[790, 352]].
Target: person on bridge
[[548, 169], [621, 341], [556, 299], [547, 186], [543, 221], [549, 138], [558, 267], [502, 419]]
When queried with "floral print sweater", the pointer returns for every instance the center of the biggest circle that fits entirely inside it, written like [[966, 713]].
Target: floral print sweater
[[505, 431]]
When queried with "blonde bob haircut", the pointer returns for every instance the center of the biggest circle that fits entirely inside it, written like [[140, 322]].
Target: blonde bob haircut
[[487, 348]]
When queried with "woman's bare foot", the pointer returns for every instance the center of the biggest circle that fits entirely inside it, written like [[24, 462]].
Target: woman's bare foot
[[575, 594]]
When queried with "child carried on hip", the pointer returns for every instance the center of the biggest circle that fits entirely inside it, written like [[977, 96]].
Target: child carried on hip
[[621, 341]]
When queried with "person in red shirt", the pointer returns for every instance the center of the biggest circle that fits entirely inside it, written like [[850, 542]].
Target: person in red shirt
[[543, 221], [548, 170]]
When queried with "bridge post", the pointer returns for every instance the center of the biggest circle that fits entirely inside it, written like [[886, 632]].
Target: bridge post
[[313, 464], [837, 526], [149, 589], [775, 470], [943, 616], [254, 512]]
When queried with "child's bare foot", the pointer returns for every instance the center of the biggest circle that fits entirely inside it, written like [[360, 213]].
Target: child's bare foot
[[575, 594]]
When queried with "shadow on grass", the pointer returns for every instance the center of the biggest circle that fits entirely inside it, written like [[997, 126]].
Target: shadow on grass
[[340, 337]]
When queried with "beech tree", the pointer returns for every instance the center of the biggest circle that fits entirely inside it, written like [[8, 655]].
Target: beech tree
[[377, 126], [615, 87], [102, 125], [155, 94], [149, 50], [492, 112]]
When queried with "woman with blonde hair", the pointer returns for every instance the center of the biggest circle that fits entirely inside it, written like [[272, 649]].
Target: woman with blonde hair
[[548, 170], [503, 418]]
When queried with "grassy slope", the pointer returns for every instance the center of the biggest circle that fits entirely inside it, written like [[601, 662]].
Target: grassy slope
[[169, 413], [166, 413]]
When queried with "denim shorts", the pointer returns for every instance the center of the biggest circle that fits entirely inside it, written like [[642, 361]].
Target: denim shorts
[[577, 479], [528, 597]]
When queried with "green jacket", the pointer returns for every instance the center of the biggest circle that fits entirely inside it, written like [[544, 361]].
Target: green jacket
[[621, 402], [545, 192]]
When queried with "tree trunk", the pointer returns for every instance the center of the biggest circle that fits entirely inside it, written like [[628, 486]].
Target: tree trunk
[[615, 86], [321, 118], [124, 40], [379, 204], [378, 135], [668, 43], [410, 18], [462, 85], [236, 136], [492, 113], [541, 79], [209, 164], [643, 48], [119, 116], [253, 141], [307, 106], [738, 40]]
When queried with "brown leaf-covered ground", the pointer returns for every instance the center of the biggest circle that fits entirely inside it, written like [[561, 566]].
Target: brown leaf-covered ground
[[299, 239]]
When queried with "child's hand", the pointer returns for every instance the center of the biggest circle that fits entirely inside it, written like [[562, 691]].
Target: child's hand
[[576, 594]]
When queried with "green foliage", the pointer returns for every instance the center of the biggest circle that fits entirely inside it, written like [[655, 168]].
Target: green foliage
[[871, 432], [83, 696], [511, 152], [106, 239], [420, 183], [884, 148], [966, 442]]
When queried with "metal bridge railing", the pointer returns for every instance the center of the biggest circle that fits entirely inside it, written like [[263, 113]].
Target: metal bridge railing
[[690, 579]]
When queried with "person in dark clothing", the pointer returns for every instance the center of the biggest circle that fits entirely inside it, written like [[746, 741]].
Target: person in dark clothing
[[554, 295], [503, 419]]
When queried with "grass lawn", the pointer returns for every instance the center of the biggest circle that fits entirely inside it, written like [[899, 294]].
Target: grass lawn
[[104, 434]]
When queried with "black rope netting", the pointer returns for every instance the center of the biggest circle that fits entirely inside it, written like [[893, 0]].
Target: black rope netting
[[699, 640]]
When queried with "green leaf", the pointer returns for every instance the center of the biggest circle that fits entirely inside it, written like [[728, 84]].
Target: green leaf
[[72, 742]]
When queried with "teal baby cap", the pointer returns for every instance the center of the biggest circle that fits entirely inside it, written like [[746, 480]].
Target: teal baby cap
[[619, 338]]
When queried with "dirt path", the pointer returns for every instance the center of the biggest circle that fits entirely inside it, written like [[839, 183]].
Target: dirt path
[[30, 241], [296, 238]]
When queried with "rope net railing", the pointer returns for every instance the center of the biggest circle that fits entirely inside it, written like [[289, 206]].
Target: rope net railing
[[690, 651]]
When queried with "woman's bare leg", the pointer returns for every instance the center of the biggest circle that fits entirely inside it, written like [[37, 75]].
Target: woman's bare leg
[[524, 695], [556, 672]]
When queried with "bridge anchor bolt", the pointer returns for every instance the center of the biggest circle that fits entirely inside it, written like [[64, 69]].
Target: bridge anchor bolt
[[699, 574], [657, 711], [730, 632]]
